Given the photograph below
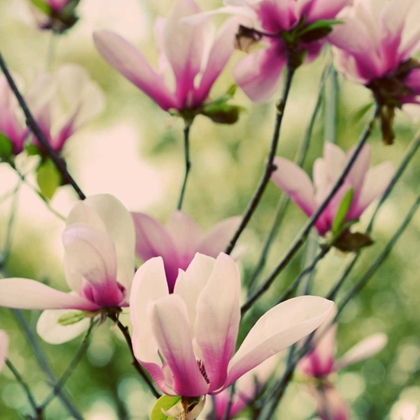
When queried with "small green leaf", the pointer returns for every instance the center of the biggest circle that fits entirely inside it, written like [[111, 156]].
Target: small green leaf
[[32, 150], [165, 402], [48, 178], [320, 24], [317, 30], [352, 241], [6, 147], [342, 211], [71, 318], [360, 113], [222, 114], [41, 5]]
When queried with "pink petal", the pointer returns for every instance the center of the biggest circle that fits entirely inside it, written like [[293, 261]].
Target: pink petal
[[277, 329], [30, 294], [171, 329], [218, 317], [331, 405], [259, 73], [365, 349], [335, 161], [153, 240], [321, 9], [216, 239], [126, 59], [295, 183], [4, 347], [358, 172]]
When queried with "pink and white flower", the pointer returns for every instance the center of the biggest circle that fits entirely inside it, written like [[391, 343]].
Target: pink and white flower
[[188, 54], [259, 73], [4, 346], [98, 260], [179, 241], [367, 184], [186, 339]]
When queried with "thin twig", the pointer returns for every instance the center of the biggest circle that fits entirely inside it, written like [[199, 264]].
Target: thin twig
[[136, 364], [36, 130], [300, 239], [187, 163]]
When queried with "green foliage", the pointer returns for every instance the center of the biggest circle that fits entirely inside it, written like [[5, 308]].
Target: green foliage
[[164, 403], [48, 178], [6, 148], [343, 209]]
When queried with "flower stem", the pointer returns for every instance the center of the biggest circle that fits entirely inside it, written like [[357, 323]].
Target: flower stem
[[187, 163], [269, 167], [36, 130], [301, 237], [136, 364]]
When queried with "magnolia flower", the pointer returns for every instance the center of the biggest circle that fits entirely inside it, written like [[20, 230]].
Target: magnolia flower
[[98, 260], [4, 345], [367, 184], [194, 56], [63, 103], [375, 46], [186, 339], [321, 362], [11, 119], [179, 240], [273, 22]]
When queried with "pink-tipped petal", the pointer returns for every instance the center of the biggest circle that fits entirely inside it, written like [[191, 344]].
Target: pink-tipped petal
[[218, 317], [30, 294], [4, 347], [126, 59], [52, 332], [259, 73], [216, 239], [295, 183], [170, 326], [277, 329], [366, 348]]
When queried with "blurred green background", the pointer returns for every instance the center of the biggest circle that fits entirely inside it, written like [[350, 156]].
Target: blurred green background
[[135, 151]]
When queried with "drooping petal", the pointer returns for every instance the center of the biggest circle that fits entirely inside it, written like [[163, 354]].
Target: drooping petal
[[216, 239], [363, 350], [52, 332], [171, 329], [295, 183], [259, 73], [277, 329], [4, 347], [30, 294], [126, 59], [218, 317]]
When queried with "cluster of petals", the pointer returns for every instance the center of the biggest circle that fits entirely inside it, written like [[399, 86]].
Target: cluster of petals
[[4, 346], [186, 339], [191, 58], [259, 73], [321, 362], [179, 241], [367, 184], [99, 246], [64, 102]]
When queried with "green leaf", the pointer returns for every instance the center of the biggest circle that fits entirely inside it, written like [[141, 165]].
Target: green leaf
[[71, 318], [223, 114], [320, 24], [41, 5], [352, 241], [32, 150], [48, 178], [317, 30], [360, 113], [165, 402], [6, 147], [342, 211]]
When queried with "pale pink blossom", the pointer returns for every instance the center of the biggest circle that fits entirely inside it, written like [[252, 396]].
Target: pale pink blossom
[[259, 73], [375, 47], [98, 260], [64, 102], [367, 184], [190, 55], [187, 339], [4, 346], [178, 241]]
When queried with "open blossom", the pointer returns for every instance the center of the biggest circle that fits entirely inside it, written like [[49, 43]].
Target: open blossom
[[321, 362], [98, 260], [4, 346], [189, 54], [367, 184], [375, 46], [259, 73], [64, 102], [186, 339], [178, 241]]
